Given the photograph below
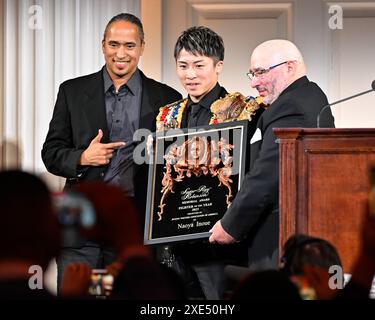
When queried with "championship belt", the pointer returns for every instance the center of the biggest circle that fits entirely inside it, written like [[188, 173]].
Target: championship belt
[[170, 116], [235, 107], [232, 107]]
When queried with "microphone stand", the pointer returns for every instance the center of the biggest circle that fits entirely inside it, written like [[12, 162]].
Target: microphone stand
[[342, 100]]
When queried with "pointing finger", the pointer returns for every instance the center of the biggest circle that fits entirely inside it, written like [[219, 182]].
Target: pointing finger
[[114, 145]]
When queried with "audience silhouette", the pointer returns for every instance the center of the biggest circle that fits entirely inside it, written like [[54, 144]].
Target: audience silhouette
[[137, 275], [29, 237]]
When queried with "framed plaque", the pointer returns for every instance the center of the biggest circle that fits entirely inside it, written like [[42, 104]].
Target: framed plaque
[[194, 175]]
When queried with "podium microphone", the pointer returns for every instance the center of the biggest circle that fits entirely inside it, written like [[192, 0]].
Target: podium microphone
[[342, 100]]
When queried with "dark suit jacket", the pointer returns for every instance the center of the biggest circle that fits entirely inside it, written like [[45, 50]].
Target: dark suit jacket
[[79, 113], [254, 212]]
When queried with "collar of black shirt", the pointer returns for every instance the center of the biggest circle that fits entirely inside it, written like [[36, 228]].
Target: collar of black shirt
[[208, 98], [133, 84]]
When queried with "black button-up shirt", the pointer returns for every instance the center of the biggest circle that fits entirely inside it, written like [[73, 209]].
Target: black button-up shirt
[[123, 112], [199, 113]]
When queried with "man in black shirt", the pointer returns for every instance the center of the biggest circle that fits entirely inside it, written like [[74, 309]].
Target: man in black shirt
[[199, 54], [95, 117]]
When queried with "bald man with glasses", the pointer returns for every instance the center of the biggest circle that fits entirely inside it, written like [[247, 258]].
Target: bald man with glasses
[[278, 72]]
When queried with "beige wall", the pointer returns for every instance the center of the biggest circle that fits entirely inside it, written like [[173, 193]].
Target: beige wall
[[353, 65]]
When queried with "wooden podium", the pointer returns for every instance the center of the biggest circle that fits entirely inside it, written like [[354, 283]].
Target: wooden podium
[[324, 181]]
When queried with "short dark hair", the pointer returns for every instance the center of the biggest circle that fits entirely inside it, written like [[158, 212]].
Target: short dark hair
[[200, 40], [266, 285], [301, 250], [129, 18]]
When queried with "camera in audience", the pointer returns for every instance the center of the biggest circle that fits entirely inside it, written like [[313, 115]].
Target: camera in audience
[[74, 212]]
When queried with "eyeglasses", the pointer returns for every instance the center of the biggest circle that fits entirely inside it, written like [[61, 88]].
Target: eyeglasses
[[261, 72]]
